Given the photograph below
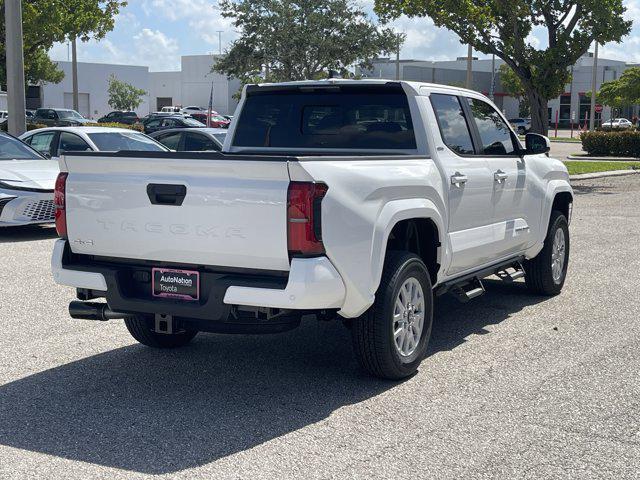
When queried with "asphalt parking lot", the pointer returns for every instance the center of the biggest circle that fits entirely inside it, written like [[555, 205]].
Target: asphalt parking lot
[[515, 386]]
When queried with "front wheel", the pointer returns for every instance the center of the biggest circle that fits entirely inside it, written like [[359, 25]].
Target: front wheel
[[546, 273], [141, 327], [390, 339]]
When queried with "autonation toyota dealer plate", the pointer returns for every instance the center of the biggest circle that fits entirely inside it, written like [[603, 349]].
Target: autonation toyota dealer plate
[[169, 283]]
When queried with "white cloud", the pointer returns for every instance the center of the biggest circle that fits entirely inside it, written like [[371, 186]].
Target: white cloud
[[202, 16], [148, 47]]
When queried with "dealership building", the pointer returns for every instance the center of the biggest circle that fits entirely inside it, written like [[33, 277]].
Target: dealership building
[[191, 85], [572, 103]]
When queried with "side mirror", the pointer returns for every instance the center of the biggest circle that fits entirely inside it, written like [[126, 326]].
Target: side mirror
[[536, 144]]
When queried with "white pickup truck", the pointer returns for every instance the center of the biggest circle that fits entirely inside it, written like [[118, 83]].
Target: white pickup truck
[[354, 199]]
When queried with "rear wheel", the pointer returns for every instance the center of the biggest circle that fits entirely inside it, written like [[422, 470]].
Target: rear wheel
[[141, 327], [390, 339], [546, 273]]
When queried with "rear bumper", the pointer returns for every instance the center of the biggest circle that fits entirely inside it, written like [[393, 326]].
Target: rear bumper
[[312, 284]]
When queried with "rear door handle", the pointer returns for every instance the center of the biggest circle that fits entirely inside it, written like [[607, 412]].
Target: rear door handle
[[500, 176], [166, 194], [458, 179]]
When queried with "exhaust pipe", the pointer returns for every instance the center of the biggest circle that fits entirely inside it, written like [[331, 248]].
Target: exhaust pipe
[[93, 311]]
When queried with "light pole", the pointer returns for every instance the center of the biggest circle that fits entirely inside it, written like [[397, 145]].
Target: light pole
[[15, 67], [493, 77], [592, 116], [74, 73], [469, 67], [220, 41], [398, 57]]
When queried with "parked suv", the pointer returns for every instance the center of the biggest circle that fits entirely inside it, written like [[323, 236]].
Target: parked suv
[[126, 118], [358, 200], [59, 117]]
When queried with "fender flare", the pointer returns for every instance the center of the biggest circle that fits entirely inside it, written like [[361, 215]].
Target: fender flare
[[396, 211], [554, 187]]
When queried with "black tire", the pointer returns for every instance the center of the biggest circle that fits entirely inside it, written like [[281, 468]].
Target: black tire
[[141, 328], [539, 274], [372, 333]]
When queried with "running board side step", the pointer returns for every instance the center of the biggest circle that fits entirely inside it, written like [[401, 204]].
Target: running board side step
[[468, 290], [511, 273], [470, 286]]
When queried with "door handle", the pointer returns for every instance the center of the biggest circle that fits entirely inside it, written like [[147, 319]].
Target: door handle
[[458, 179], [500, 176], [165, 194]]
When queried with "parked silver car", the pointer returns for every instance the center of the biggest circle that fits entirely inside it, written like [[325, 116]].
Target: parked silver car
[[617, 123], [27, 180]]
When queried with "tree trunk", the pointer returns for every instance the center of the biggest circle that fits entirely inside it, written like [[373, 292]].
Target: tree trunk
[[539, 112]]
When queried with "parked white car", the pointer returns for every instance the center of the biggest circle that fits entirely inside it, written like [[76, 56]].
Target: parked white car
[[520, 125], [354, 199], [618, 123], [51, 142], [26, 184]]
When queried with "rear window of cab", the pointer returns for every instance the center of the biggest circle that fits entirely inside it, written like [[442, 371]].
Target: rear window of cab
[[326, 118]]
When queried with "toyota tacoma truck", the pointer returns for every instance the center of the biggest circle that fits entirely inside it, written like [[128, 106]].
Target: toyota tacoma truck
[[359, 200]]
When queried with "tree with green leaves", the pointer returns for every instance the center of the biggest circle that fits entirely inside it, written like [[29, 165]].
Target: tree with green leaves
[[622, 92], [502, 28], [301, 39], [512, 86], [45, 22], [124, 96]]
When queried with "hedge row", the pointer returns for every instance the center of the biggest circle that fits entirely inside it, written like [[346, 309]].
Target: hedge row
[[35, 126], [138, 128], [619, 144], [30, 126]]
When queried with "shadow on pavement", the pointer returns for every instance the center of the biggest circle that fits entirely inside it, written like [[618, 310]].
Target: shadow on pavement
[[27, 233], [161, 412]]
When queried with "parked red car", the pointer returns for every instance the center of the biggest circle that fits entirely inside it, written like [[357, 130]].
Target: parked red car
[[217, 120]]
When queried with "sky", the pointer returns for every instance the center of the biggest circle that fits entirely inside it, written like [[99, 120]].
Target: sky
[[155, 33]]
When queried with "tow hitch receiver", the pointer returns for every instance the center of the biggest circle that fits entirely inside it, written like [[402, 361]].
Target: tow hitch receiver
[[164, 324]]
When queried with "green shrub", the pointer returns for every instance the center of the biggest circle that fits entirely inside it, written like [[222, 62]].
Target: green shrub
[[30, 126], [625, 143], [137, 128]]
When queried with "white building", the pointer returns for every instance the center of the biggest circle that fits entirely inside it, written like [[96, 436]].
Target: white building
[[189, 86], [93, 85], [572, 104], [192, 86]]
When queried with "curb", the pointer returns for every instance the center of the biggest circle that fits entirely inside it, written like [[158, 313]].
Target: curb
[[603, 159], [613, 173]]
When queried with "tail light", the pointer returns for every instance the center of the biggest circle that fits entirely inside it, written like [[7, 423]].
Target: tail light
[[304, 228], [60, 203]]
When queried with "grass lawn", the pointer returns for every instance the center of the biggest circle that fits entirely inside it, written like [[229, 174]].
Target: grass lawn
[[576, 167]]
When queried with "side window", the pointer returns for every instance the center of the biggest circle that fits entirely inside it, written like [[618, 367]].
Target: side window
[[452, 122], [170, 140], [153, 123], [72, 143], [168, 122], [52, 115], [495, 134], [42, 142], [196, 142]]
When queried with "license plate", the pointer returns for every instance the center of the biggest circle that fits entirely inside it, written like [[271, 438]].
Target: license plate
[[170, 283]]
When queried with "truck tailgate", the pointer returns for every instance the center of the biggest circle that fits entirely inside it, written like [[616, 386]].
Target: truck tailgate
[[200, 210]]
